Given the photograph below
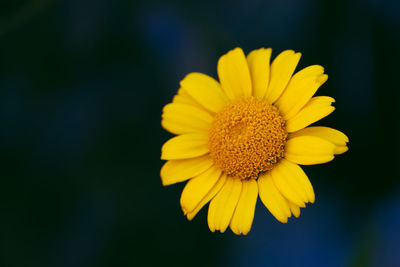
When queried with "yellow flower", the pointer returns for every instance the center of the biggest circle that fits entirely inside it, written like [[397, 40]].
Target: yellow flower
[[244, 136]]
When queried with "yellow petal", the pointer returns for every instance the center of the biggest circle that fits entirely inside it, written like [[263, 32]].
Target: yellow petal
[[197, 188], [272, 198], [292, 182], [284, 184], [223, 205], [294, 209], [244, 213], [258, 61], [234, 74], [210, 195], [309, 150], [184, 98], [300, 89], [282, 69], [175, 171], [183, 118], [334, 136], [317, 108], [340, 149], [204, 90], [185, 146]]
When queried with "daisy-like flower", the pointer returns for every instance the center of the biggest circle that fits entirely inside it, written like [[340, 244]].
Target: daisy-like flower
[[245, 136]]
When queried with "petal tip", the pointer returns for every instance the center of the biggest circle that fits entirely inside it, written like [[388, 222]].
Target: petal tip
[[341, 150], [283, 220], [322, 79]]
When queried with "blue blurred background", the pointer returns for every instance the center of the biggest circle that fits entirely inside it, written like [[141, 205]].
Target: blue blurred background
[[82, 85]]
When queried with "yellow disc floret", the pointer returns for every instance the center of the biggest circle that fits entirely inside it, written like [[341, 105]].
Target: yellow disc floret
[[247, 137]]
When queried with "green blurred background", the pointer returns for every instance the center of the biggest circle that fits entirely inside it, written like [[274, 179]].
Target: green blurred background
[[82, 85]]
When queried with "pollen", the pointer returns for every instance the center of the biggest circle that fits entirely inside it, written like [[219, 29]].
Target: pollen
[[247, 137]]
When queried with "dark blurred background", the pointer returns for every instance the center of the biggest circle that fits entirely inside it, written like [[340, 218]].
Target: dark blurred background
[[82, 85]]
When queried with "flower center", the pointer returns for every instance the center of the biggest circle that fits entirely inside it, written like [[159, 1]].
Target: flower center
[[247, 137]]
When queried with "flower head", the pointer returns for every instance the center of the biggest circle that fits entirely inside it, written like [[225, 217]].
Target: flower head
[[245, 136]]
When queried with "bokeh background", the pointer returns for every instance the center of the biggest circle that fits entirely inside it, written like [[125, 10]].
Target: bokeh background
[[82, 85]]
